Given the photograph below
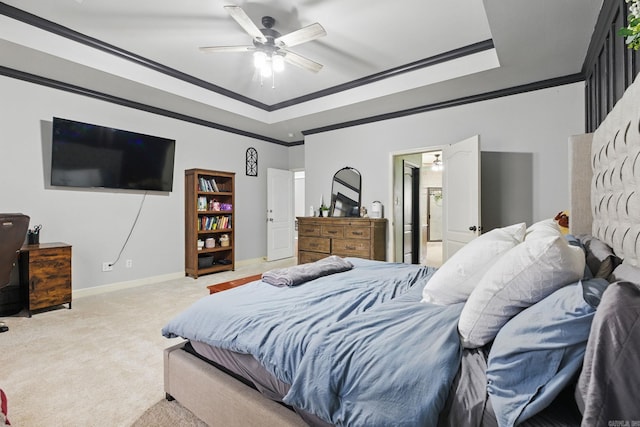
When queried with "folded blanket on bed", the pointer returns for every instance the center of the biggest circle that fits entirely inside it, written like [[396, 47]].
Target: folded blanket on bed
[[299, 274]]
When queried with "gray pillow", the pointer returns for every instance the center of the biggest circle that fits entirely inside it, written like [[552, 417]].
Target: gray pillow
[[599, 256]]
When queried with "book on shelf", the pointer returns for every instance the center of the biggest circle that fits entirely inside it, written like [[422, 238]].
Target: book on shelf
[[210, 223], [208, 184]]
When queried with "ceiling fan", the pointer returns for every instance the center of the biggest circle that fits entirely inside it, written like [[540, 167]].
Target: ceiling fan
[[270, 48]]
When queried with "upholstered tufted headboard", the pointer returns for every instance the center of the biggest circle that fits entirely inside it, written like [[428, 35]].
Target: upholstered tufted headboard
[[614, 179]]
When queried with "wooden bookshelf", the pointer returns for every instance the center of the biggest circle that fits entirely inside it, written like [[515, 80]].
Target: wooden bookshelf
[[209, 217]]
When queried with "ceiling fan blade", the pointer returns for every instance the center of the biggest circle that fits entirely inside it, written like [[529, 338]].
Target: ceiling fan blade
[[216, 49], [303, 35], [245, 22], [301, 61]]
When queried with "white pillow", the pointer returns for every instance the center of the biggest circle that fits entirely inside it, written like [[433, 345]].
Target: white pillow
[[455, 279], [544, 228], [521, 277]]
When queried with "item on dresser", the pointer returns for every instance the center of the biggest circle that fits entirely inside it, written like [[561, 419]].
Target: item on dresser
[[376, 210], [355, 237]]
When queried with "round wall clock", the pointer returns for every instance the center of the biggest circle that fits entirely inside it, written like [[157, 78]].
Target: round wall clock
[[252, 162]]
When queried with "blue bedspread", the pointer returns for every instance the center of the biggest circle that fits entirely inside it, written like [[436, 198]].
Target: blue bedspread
[[276, 325], [390, 366]]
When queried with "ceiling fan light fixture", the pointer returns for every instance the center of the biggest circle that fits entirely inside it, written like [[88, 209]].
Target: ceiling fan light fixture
[[278, 63], [267, 70], [259, 59], [269, 46]]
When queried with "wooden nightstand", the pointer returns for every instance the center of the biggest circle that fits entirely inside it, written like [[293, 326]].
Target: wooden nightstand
[[45, 275], [233, 283]]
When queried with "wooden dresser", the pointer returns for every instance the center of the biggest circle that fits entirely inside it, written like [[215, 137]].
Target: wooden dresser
[[355, 237]]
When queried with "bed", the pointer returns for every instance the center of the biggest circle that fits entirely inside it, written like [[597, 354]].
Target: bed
[[522, 326]]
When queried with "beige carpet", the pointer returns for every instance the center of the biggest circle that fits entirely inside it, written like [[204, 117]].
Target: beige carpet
[[99, 364]]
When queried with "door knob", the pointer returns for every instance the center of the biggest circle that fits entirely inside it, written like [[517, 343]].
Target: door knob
[[473, 228]]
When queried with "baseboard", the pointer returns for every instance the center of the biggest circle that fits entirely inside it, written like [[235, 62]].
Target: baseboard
[[250, 262], [79, 293]]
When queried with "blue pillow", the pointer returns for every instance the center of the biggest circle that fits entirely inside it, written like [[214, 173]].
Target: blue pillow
[[538, 352]]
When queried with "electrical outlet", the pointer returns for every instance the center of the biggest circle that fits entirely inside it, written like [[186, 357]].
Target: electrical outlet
[[129, 263], [106, 266]]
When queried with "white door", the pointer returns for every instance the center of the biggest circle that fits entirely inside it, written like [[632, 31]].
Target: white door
[[280, 219], [461, 194]]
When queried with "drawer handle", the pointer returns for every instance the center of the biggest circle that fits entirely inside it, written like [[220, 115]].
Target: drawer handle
[[351, 248], [332, 232], [358, 233], [314, 245]]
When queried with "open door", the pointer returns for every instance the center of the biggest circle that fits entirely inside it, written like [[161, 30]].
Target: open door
[[461, 194], [411, 213], [280, 219]]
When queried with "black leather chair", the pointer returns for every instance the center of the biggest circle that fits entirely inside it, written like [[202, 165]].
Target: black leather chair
[[13, 231]]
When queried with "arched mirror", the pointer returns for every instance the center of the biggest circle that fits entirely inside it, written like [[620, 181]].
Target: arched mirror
[[345, 193]]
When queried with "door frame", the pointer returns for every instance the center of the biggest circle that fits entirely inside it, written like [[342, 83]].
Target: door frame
[[391, 239], [415, 209]]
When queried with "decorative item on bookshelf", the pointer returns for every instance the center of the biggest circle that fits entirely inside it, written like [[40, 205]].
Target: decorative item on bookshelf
[[202, 203]]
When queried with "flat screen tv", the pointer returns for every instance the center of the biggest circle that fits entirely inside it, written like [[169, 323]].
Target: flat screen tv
[[87, 155]]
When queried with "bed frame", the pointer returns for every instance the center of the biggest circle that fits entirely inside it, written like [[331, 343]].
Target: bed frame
[[604, 201], [217, 398]]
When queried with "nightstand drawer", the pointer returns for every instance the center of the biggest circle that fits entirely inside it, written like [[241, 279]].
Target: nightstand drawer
[[314, 244], [357, 248]]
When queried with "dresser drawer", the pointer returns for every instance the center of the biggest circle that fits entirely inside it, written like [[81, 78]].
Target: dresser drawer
[[351, 247], [305, 257], [312, 230], [315, 244], [358, 233], [333, 231]]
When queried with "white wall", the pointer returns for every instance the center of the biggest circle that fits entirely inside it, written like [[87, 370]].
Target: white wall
[[538, 122], [96, 222]]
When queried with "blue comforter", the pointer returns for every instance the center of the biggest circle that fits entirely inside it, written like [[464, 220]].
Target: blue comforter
[[276, 325], [390, 366]]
